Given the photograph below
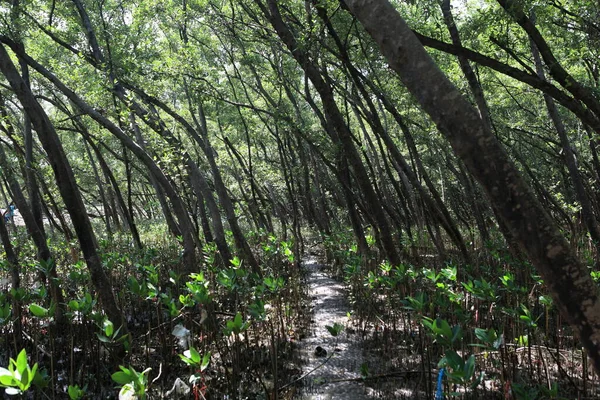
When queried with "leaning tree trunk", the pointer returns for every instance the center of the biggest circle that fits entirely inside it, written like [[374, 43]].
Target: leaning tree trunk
[[127, 214], [160, 195], [13, 265], [482, 106], [38, 236], [342, 135], [67, 187], [32, 185], [179, 208], [569, 282], [587, 211]]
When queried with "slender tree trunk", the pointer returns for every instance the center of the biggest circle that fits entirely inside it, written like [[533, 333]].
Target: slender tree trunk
[[127, 213], [482, 106], [100, 184], [587, 211], [13, 266], [67, 186], [337, 125], [160, 195], [32, 186], [38, 236]]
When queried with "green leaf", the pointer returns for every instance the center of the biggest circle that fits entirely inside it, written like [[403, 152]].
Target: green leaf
[[25, 378], [38, 310], [456, 333], [121, 377], [194, 355], [335, 329], [205, 361], [443, 327], [7, 378], [186, 360], [74, 392], [469, 367], [74, 305], [455, 361], [22, 361], [108, 327], [482, 334], [103, 338]]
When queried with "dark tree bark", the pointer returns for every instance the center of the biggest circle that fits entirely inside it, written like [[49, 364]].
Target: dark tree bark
[[434, 201], [32, 185], [219, 186], [158, 190], [38, 235], [67, 186], [13, 266], [127, 214], [482, 106], [100, 184], [587, 211], [573, 289], [337, 125], [198, 180]]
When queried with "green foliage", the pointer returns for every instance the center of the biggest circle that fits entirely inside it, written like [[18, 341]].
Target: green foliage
[[527, 318], [459, 370], [84, 305], [192, 358], [19, 376], [75, 392], [489, 337], [110, 336], [198, 363], [40, 311], [5, 313], [236, 326], [335, 329], [198, 289], [132, 381], [441, 331]]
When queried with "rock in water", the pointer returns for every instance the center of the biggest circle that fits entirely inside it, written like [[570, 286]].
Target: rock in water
[[320, 352]]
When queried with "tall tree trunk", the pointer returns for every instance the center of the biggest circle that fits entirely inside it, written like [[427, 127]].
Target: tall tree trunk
[[179, 208], [587, 211], [100, 184], [482, 106], [67, 186], [13, 266], [335, 120], [32, 185], [38, 236], [127, 213], [158, 190], [224, 199], [573, 289]]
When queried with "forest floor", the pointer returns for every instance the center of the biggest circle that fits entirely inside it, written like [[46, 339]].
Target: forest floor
[[346, 369], [334, 360]]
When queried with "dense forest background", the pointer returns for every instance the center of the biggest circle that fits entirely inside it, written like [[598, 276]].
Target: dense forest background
[[166, 165]]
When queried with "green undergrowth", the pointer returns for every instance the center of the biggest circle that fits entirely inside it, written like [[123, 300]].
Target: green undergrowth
[[491, 325], [222, 331]]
